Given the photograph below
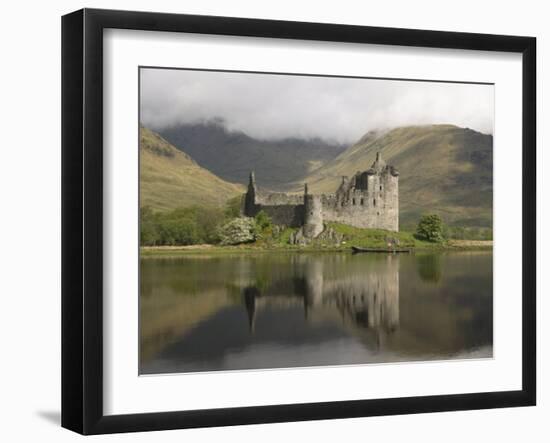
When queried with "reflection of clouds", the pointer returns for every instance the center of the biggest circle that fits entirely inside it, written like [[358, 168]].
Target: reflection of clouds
[[367, 299]]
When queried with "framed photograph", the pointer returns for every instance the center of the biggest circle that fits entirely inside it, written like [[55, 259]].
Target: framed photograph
[[268, 221]]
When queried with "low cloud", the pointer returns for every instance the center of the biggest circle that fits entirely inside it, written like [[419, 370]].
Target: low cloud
[[337, 109]]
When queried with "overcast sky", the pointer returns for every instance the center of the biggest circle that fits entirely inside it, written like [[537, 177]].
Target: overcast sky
[[339, 109]]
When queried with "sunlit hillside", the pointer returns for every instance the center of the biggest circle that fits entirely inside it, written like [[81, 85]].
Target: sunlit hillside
[[169, 178], [443, 169]]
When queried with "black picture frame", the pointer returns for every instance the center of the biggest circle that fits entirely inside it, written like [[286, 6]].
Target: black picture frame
[[82, 219]]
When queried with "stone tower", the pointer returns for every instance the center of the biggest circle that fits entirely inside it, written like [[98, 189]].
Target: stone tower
[[313, 214], [369, 199], [250, 208]]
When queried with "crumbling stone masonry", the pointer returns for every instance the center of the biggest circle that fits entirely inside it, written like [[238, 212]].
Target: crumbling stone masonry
[[370, 199]]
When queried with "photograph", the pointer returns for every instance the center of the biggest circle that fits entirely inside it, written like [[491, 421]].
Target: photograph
[[291, 221], [286, 222]]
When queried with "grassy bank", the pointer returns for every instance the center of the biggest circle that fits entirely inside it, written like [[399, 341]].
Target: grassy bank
[[350, 236]]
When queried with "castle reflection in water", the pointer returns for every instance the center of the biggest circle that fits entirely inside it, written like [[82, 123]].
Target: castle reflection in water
[[361, 300]]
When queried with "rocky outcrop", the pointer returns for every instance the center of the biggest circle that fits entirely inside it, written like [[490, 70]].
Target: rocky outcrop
[[328, 237]]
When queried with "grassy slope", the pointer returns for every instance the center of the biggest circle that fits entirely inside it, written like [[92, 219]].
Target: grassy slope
[[443, 169], [169, 178]]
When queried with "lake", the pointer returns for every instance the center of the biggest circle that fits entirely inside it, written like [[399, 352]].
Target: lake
[[203, 312]]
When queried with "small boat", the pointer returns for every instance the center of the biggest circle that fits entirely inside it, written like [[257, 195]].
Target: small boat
[[357, 249]]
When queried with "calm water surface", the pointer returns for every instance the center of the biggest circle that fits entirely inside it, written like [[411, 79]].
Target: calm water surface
[[277, 310]]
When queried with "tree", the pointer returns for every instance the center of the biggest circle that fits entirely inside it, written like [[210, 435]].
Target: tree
[[178, 232], [148, 234], [233, 207], [430, 228], [263, 221]]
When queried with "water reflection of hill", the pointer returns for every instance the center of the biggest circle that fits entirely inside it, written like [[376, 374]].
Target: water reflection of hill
[[172, 303], [449, 315]]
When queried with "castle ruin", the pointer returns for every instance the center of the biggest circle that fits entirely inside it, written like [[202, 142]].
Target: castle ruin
[[370, 199]]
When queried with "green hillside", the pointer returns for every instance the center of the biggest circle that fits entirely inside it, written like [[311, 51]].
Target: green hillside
[[169, 178], [443, 169]]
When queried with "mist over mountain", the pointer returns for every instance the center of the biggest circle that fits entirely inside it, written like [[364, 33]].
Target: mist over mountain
[[269, 106], [231, 155]]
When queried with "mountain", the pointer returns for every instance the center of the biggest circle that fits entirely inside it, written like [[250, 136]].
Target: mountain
[[170, 178], [443, 169], [232, 155]]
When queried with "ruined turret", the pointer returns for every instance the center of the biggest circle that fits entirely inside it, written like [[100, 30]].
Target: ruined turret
[[250, 208], [379, 164], [313, 215]]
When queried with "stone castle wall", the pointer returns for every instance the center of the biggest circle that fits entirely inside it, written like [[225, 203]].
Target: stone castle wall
[[288, 215], [283, 209], [369, 200]]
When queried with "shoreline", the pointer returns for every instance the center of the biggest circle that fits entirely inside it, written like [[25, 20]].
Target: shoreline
[[451, 246]]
